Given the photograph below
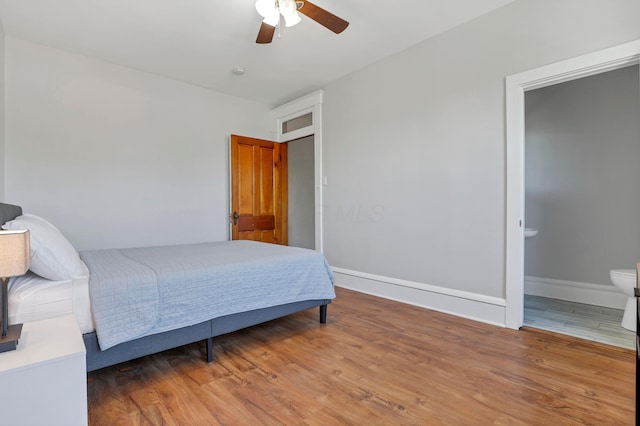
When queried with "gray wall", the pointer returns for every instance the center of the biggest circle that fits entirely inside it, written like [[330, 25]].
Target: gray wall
[[116, 157], [301, 193], [414, 145], [582, 157]]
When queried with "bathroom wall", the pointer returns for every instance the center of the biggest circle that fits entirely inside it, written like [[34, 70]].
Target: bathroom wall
[[582, 152]]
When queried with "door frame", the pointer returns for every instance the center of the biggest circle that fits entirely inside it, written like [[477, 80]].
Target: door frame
[[515, 87], [311, 103]]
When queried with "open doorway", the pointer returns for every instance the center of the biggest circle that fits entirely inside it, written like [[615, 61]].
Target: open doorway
[[515, 87], [301, 183], [299, 123], [296, 121], [582, 147]]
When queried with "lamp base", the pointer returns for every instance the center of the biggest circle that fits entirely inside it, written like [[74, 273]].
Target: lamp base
[[10, 341]]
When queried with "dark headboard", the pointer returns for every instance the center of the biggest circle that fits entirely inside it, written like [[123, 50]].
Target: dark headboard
[[9, 212]]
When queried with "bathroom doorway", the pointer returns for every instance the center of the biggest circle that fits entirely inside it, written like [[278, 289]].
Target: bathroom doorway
[[582, 147], [516, 85]]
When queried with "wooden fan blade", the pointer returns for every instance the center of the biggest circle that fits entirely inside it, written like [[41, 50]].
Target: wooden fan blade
[[322, 17], [265, 35]]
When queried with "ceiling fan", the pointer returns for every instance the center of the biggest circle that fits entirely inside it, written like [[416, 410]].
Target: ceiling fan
[[272, 10]]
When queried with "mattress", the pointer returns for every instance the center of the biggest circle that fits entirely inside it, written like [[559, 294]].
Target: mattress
[[33, 298], [138, 292]]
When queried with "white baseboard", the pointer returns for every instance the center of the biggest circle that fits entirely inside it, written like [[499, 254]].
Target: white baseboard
[[464, 304], [591, 294]]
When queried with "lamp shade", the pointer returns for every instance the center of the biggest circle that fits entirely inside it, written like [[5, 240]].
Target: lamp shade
[[266, 7], [287, 7], [291, 20], [273, 18], [14, 253]]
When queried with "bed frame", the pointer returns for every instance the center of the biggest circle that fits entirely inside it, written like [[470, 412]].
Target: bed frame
[[204, 331]]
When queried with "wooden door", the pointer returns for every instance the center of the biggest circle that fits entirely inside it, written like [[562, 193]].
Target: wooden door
[[258, 190]]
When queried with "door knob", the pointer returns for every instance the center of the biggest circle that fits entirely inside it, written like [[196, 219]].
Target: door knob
[[235, 218]]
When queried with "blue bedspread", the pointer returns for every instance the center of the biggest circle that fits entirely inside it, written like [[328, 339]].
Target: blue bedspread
[[142, 291]]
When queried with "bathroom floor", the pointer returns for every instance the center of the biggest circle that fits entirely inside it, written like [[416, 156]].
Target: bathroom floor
[[578, 319]]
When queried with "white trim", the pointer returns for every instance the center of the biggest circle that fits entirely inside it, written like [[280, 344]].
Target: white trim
[[292, 109], [515, 86], [592, 294], [309, 103], [464, 304]]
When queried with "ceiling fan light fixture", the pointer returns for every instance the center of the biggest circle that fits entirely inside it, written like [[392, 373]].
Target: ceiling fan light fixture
[[266, 8], [270, 10], [291, 20], [272, 19], [288, 7]]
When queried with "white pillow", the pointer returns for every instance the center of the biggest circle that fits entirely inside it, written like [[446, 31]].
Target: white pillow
[[52, 255]]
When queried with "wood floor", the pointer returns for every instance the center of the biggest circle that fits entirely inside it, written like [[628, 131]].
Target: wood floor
[[375, 362]]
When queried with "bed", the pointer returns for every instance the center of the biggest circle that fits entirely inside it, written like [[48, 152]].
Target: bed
[[177, 294]]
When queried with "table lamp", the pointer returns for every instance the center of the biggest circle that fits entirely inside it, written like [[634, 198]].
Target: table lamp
[[14, 260]]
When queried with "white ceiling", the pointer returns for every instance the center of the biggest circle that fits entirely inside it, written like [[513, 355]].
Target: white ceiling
[[200, 41]]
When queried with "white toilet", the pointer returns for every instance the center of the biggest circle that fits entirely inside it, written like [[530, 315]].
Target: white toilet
[[625, 280]]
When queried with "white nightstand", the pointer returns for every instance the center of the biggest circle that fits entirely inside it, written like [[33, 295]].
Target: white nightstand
[[44, 381]]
